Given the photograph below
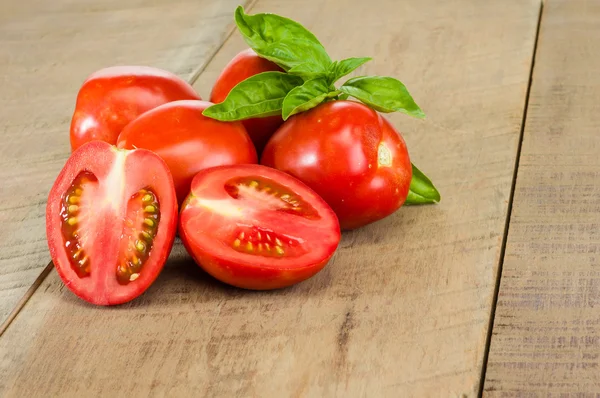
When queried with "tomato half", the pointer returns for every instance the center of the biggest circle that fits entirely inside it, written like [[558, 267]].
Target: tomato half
[[257, 228], [242, 66], [112, 97], [111, 219], [188, 141], [350, 155]]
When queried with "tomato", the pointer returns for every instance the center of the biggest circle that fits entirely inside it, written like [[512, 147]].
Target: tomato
[[188, 141], [241, 67], [112, 97], [257, 228], [111, 220], [348, 154]]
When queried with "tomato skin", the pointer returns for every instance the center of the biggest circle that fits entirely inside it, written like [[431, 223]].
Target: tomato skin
[[188, 141], [334, 149], [244, 65], [112, 97], [119, 174], [246, 277], [217, 257]]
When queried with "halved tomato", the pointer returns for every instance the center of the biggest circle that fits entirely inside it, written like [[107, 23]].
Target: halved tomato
[[111, 219], [257, 228]]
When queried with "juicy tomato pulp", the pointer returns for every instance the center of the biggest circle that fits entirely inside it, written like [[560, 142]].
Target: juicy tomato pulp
[[111, 219], [257, 228], [242, 66], [188, 141], [112, 97], [350, 155]]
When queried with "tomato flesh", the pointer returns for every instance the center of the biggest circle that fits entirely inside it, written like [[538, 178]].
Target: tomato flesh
[[110, 222], [257, 228], [244, 65], [350, 155], [188, 141], [113, 97]]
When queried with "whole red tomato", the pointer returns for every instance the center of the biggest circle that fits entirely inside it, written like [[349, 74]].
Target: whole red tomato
[[188, 141], [112, 97], [350, 155], [241, 67], [110, 222], [256, 227]]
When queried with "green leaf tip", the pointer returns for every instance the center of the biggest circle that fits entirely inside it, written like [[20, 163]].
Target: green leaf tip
[[422, 190]]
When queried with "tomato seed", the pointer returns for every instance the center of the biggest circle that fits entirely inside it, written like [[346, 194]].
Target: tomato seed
[[150, 209], [148, 198], [140, 246]]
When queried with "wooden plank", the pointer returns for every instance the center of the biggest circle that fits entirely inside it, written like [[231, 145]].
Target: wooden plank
[[546, 337], [403, 308], [47, 49]]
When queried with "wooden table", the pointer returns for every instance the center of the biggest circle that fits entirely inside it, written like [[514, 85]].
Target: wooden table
[[495, 291]]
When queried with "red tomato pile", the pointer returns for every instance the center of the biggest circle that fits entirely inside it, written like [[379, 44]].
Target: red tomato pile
[[151, 159]]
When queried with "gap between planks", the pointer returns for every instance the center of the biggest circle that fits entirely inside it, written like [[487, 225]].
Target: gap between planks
[[248, 5], [510, 206]]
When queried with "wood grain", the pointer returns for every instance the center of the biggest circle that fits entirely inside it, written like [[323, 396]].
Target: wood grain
[[546, 337], [47, 49], [404, 306]]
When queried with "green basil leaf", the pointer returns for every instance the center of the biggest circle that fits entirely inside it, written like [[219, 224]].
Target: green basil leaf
[[339, 69], [306, 96], [307, 71], [281, 40], [384, 94], [258, 96], [421, 189]]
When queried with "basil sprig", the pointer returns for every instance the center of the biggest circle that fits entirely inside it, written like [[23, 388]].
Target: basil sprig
[[311, 75], [310, 80]]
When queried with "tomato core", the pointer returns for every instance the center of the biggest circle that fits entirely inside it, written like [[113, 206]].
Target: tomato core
[[266, 192]]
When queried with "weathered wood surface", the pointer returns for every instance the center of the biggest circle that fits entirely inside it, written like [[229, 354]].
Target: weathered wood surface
[[403, 308], [546, 337], [47, 49]]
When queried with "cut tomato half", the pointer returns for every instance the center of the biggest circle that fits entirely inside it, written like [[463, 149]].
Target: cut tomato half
[[257, 228], [111, 219]]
